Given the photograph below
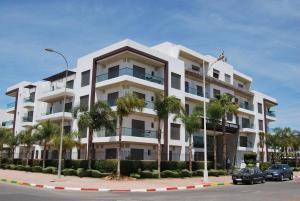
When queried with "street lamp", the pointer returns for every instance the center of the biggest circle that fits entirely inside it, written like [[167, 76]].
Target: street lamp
[[63, 117], [205, 173]]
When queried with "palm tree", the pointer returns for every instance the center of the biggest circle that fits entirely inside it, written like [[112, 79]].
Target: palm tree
[[228, 107], [4, 133], [69, 141], [215, 113], [28, 139], [163, 106], [295, 144], [12, 141], [125, 106], [192, 123], [99, 116], [44, 132]]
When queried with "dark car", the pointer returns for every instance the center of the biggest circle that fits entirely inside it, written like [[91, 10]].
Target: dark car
[[248, 176], [279, 172]]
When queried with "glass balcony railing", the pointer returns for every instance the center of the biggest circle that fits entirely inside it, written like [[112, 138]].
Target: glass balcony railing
[[130, 72], [246, 106], [54, 88], [271, 113], [197, 92], [7, 123], [57, 111], [148, 104], [251, 126], [27, 119], [29, 100], [10, 105], [134, 132]]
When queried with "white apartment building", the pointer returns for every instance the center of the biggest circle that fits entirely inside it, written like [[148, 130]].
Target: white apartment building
[[128, 66]]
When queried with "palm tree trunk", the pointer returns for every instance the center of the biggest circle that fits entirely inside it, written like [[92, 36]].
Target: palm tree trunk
[[224, 142], [215, 149], [158, 148], [27, 154], [119, 148], [190, 152], [44, 155], [90, 150]]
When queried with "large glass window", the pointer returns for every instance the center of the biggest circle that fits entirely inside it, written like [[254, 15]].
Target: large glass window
[[84, 101], [216, 73], [137, 154], [243, 141], [139, 72], [113, 72], [85, 78], [175, 80], [259, 108], [112, 98], [175, 131], [138, 128], [70, 84], [227, 78], [198, 141], [216, 93], [245, 123], [111, 153], [261, 125]]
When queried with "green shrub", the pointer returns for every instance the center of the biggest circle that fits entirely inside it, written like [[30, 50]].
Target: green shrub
[[49, 170], [217, 173], [12, 167], [185, 173], [265, 165], [155, 174], [105, 166], [198, 173], [3, 165], [146, 174], [199, 165], [37, 169], [296, 169], [75, 164], [135, 175], [69, 172], [81, 172], [7, 166], [28, 168], [169, 174], [36, 163], [250, 158], [20, 167], [96, 173]]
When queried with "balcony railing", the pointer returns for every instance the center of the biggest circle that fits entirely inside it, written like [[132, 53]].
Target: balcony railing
[[134, 132], [271, 113], [58, 111], [27, 119], [246, 106], [54, 88], [148, 104], [7, 123], [130, 72], [29, 100], [230, 127], [194, 91], [10, 105], [251, 126]]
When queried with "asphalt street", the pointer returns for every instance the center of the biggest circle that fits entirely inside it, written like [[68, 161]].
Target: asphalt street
[[270, 191]]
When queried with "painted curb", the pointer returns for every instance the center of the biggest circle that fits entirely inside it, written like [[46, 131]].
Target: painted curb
[[191, 187]]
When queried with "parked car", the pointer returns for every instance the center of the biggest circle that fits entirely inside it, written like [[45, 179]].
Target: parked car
[[249, 176], [279, 172]]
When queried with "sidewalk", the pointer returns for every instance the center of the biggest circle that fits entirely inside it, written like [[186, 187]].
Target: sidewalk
[[76, 183]]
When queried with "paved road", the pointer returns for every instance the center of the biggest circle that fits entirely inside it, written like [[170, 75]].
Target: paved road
[[271, 191]]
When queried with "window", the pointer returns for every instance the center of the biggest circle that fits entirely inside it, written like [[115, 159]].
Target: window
[[112, 98], [175, 131], [217, 93], [136, 154], [140, 95], [259, 108], [70, 84], [243, 141], [139, 72], [199, 90], [111, 153], [241, 85], [216, 73], [227, 78], [175, 81], [187, 109], [138, 128], [85, 78], [198, 141], [83, 133], [261, 125], [113, 72], [195, 68], [187, 87], [245, 123], [67, 129], [229, 116], [68, 107], [84, 101], [198, 156]]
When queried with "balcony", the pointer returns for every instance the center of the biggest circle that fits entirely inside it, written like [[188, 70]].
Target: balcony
[[248, 128], [230, 127], [27, 121], [8, 124], [270, 115], [194, 93], [56, 93], [129, 75], [56, 115], [246, 108], [28, 102], [10, 107]]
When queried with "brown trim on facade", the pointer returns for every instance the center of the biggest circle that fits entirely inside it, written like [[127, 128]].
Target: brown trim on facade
[[59, 75], [266, 126], [165, 148], [16, 108], [30, 86], [269, 101], [12, 91]]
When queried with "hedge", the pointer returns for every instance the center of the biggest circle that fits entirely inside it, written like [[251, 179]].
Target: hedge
[[36, 169], [50, 170], [186, 173], [169, 174], [69, 172], [217, 173]]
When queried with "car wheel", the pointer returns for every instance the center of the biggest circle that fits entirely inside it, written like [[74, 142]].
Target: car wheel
[[291, 177], [263, 181], [235, 182], [251, 182], [281, 178]]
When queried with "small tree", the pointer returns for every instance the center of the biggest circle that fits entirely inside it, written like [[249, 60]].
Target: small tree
[[4, 133], [215, 113], [69, 141], [125, 106], [28, 139], [12, 141], [192, 123], [44, 132], [163, 106]]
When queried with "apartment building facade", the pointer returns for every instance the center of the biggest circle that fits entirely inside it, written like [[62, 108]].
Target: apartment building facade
[[128, 66]]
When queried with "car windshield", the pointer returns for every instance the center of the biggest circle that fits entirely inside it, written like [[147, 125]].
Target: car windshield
[[247, 170], [275, 167]]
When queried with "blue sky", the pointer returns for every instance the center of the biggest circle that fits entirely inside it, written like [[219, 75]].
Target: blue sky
[[260, 38]]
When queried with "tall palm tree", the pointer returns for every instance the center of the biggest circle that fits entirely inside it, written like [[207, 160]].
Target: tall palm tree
[[163, 106], [44, 132], [99, 116], [192, 123], [69, 141], [228, 107], [27, 138], [125, 106], [4, 133], [215, 113], [12, 141]]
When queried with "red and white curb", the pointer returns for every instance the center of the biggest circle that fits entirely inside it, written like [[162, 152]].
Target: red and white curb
[[191, 187]]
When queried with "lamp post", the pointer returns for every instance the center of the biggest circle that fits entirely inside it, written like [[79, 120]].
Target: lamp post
[[205, 173], [63, 116]]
